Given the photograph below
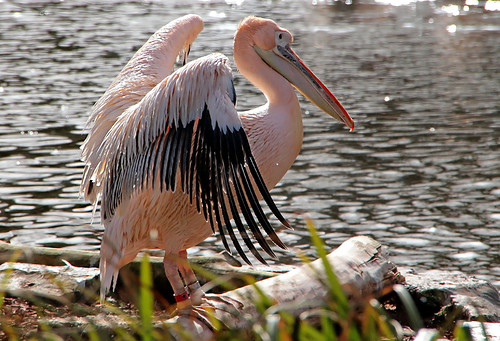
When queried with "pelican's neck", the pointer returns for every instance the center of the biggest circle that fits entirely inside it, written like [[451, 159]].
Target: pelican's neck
[[274, 130], [278, 91]]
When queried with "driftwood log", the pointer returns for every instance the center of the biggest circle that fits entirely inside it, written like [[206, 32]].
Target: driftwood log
[[217, 264], [360, 266]]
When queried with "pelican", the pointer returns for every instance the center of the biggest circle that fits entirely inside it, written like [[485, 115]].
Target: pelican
[[171, 160]]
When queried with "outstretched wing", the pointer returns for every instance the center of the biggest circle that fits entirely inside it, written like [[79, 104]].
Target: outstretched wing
[[186, 132], [149, 66]]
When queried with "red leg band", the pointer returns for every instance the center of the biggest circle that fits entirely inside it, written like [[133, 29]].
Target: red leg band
[[181, 297]]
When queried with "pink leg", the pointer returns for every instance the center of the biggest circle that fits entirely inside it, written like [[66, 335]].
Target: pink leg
[[172, 272], [179, 272], [195, 292]]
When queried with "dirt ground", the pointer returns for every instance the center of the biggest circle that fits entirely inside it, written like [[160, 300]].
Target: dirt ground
[[19, 318]]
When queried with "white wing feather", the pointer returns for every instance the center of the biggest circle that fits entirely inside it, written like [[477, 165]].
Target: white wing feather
[[176, 101], [150, 65]]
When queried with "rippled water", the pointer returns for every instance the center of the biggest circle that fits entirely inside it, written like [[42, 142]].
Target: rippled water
[[420, 173]]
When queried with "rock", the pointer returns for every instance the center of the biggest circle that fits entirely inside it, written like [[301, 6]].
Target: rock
[[441, 294], [478, 329], [50, 284], [426, 334]]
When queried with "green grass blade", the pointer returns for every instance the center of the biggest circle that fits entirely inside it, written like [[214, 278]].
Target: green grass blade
[[146, 299], [309, 333], [409, 305], [333, 283], [463, 333], [327, 327]]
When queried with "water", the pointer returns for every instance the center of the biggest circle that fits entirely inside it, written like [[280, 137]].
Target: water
[[420, 172]]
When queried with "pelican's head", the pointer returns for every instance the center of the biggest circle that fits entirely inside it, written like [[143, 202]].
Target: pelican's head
[[272, 44]]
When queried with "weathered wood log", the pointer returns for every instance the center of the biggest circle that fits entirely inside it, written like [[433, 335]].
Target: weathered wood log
[[360, 266], [47, 255], [216, 264], [51, 260]]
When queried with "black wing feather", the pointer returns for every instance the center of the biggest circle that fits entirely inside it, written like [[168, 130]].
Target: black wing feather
[[217, 190], [223, 181], [260, 182], [215, 168], [245, 191], [185, 154]]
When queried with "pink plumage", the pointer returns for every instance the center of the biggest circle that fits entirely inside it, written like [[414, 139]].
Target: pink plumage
[[171, 160]]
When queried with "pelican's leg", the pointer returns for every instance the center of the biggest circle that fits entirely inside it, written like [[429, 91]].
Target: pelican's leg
[[196, 293], [172, 272], [193, 286], [191, 293]]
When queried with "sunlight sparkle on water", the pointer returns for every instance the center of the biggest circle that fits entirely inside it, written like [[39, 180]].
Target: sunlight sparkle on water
[[396, 2], [492, 5], [451, 28], [235, 2], [218, 15], [453, 10]]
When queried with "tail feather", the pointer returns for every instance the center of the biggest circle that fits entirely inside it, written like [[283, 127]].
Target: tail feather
[[109, 277], [109, 267]]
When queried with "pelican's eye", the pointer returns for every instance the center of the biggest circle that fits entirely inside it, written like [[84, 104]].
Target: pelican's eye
[[283, 38]]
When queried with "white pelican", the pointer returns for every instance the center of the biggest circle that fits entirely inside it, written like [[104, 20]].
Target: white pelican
[[171, 159]]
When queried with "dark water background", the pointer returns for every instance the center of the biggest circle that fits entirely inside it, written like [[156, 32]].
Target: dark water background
[[420, 173]]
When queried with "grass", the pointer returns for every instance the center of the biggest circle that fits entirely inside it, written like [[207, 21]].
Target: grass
[[337, 318]]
